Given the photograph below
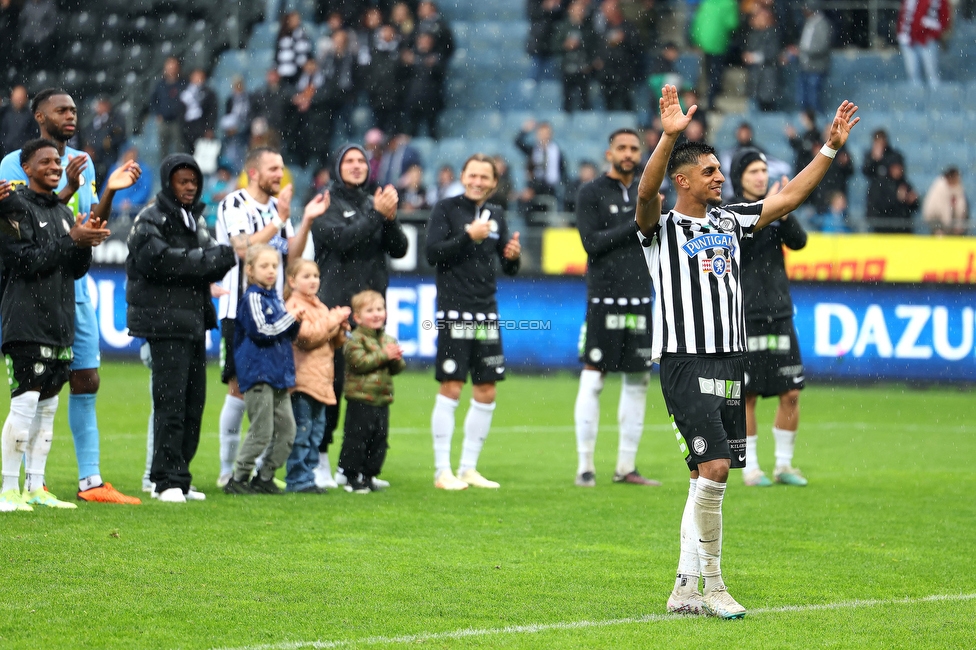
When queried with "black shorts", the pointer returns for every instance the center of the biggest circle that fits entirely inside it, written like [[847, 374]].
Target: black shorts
[[704, 397], [465, 346], [228, 370], [773, 364], [34, 367], [617, 337]]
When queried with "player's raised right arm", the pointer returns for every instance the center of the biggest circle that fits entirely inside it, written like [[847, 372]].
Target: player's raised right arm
[[673, 121]]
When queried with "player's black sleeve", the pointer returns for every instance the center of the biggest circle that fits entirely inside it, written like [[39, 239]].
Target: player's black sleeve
[[595, 241], [443, 246], [792, 233]]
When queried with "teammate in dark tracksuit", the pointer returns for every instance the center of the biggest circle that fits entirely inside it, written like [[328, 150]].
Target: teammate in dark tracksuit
[[352, 241], [617, 334], [773, 364], [44, 250], [464, 236]]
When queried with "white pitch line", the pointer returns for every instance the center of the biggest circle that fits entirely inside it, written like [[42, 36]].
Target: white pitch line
[[578, 625]]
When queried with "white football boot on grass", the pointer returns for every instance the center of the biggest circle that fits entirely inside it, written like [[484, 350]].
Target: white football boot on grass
[[474, 478], [718, 602], [686, 602], [447, 481]]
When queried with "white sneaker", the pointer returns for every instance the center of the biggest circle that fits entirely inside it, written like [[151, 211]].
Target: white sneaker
[[193, 495], [686, 602], [323, 478], [474, 478], [148, 487], [172, 495], [380, 484], [224, 479], [719, 603], [447, 481], [340, 477]]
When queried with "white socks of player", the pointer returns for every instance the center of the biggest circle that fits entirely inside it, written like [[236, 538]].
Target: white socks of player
[[39, 443], [476, 425], [231, 416], [630, 418], [752, 455], [785, 442], [587, 416], [442, 426], [688, 563], [708, 521], [16, 434]]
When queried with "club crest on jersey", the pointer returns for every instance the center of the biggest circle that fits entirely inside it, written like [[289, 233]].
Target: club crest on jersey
[[709, 241], [717, 266], [725, 224]]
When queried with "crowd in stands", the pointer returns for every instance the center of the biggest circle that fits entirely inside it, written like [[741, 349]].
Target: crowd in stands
[[392, 58]]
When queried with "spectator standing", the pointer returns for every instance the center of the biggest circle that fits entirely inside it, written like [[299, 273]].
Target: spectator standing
[[311, 120], [413, 193], [431, 22], [761, 56], [585, 173], [17, 124], [106, 138], [236, 124], [38, 21], [544, 15], [396, 159], [340, 73], [814, 54], [447, 186], [877, 163], [945, 209], [165, 104], [423, 98], [9, 24], [384, 79], [834, 218], [836, 179], [618, 62], [199, 110], [504, 192], [293, 47], [898, 202], [215, 189], [922, 24], [804, 145], [402, 19], [271, 103], [545, 162], [172, 261], [711, 30], [574, 39]]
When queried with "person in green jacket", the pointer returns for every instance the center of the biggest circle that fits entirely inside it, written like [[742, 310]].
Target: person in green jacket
[[711, 30]]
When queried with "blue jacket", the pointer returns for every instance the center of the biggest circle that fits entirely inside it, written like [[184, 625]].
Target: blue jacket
[[262, 340]]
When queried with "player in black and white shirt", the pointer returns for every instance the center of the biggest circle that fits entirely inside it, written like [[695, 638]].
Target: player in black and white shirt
[[249, 216], [616, 336], [693, 254]]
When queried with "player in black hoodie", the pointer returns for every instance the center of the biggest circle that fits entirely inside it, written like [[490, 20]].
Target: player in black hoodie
[[464, 236], [352, 241], [773, 364], [44, 250], [172, 261]]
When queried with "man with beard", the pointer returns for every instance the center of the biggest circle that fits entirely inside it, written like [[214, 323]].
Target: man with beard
[[57, 119], [616, 336], [352, 241], [249, 216]]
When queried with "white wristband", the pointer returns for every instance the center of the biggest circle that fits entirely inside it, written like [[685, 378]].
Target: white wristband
[[827, 151], [279, 223]]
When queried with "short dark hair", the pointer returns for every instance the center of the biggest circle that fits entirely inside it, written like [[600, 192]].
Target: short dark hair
[[31, 147], [254, 155], [45, 95], [623, 131], [687, 153], [482, 158]]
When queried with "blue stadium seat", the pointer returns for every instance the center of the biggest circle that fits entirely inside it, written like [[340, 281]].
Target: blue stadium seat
[[548, 96], [262, 37]]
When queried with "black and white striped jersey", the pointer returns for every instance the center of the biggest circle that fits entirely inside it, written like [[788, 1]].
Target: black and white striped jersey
[[240, 213], [694, 265]]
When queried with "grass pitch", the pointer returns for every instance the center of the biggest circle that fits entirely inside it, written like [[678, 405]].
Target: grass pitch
[[877, 552]]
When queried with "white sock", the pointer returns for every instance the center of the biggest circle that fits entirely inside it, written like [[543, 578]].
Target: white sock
[[476, 425], [630, 418], [785, 441], [587, 417], [708, 521], [324, 465], [752, 456], [231, 416], [39, 443], [89, 482], [442, 427], [16, 433], [688, 563]]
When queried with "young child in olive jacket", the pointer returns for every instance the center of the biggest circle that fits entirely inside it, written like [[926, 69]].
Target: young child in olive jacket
[[372, 358]]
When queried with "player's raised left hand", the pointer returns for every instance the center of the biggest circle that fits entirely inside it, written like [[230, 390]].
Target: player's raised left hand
[[513, 249], [317, 206], [840, 128], [123, 177]]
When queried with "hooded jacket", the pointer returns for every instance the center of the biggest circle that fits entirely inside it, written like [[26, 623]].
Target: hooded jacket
[[352, 241], [40, 265], [171, 265], [765, 285]]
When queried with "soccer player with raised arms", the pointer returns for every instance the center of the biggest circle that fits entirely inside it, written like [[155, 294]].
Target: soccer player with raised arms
[[693, 255]]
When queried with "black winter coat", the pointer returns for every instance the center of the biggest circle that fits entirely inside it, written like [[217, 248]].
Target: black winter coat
[[170, 267]]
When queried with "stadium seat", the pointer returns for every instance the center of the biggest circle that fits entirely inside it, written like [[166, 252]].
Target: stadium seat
[[107, 56], [197, 56], [117, 27], [77, 54], [548, 96], [82, 26], [172, 27], [74, 82], [143, 29], [40, 80], [137, 57], [139, 7]]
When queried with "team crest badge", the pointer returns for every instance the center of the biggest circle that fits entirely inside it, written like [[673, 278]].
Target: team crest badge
[[725, 224]]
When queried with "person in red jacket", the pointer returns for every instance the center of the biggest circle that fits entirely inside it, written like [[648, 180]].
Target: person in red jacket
[[921, 25]]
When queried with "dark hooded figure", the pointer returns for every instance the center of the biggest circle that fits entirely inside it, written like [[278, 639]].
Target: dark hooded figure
[[172, 262], [773, 366], [352, 241]]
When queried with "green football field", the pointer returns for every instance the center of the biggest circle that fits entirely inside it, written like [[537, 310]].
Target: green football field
[[876, 553]]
